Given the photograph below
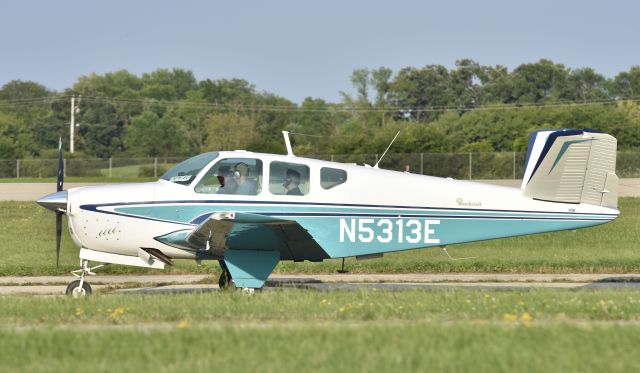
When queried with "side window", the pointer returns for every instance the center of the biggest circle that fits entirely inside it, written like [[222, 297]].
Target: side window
[[332, 177], [288, 179], [241, 176]]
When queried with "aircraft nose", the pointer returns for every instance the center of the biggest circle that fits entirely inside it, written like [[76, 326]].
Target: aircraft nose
[[54, 201]]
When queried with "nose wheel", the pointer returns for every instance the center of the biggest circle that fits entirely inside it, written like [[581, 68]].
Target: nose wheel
[[78, 289]]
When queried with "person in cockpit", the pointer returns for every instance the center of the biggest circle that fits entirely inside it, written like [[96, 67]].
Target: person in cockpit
[[292, 183], [246, 186], [229, 184]]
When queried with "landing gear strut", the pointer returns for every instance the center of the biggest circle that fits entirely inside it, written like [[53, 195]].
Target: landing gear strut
[[225, 280], [80, 288]]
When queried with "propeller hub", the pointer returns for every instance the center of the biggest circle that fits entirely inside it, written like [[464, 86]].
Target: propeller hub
[[55, 201]]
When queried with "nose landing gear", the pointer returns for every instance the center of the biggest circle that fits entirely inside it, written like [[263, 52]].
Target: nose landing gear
[[80, 288]]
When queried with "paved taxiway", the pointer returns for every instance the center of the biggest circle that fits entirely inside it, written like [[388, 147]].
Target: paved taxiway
[[158, 284]]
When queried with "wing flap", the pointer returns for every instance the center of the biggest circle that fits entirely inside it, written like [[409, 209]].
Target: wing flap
[[246, 231]]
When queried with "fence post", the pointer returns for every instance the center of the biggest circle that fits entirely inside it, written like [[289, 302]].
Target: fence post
[[470, 165], [110, 166], [155, 167], [331, 157], [421, 163], [17, 168], [514, 165]]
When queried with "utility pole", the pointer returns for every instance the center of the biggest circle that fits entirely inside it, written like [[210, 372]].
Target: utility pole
[[72, 126]]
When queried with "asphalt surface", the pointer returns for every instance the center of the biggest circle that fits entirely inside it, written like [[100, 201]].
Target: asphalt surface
[[33, 191], [166, 284]]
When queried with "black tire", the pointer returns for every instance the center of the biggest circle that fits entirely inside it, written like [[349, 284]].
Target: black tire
[[224, 282], [74, 290]]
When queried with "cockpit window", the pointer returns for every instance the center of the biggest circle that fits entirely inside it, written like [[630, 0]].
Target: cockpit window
[[184, 173], [332, 177], [241, 176], [290, 179]]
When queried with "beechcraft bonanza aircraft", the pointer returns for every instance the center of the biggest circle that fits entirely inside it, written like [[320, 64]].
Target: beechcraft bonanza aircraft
[[250, 210]]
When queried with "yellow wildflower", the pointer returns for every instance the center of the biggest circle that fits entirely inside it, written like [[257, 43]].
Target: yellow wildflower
[[509, 317], [119, 311], [526, 317]]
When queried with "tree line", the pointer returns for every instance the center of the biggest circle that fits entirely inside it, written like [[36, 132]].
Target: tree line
[[469, 107]]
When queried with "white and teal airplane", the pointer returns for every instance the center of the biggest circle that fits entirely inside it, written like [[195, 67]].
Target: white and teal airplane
[[251, 210]]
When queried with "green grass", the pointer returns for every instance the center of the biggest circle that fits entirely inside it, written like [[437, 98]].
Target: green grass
[[275, 331], [27, 247], [124, 171], [299, 306]]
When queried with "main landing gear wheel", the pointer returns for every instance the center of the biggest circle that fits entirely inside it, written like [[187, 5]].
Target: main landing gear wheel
[[225, 280], [78, 289]]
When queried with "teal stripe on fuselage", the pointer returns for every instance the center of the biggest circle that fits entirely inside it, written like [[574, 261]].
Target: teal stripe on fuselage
[[186, 212]]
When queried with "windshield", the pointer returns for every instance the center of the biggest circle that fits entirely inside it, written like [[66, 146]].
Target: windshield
[[185, 172]]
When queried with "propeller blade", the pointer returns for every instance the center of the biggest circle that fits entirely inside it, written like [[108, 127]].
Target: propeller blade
[[58, 236], [60, 167]]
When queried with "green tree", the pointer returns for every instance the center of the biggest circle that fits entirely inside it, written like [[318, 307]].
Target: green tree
[[100, 129], [15, 140], [426, 88], [164, 84], [497, 86], [227, 91], [627, 84], [229, 131], [360, 81], [465, 83], [586, 85], [380, 80], [20, 90], [152, 136], [539, 82]]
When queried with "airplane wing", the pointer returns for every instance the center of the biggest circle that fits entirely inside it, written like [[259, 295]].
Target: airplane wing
[[245, 231]]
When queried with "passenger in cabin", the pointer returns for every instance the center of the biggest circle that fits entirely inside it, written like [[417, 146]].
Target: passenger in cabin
[[229, 184], [246, 186], [292, 182]]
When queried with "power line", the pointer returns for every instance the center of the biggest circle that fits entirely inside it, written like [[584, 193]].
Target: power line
[[331, 108]]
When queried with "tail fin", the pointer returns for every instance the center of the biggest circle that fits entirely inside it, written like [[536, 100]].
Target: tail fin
[[572, 166]]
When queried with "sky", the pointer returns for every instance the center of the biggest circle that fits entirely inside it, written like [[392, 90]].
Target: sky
[[298, 49]]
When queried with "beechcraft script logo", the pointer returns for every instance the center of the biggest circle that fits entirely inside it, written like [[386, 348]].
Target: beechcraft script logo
[[461, 202]]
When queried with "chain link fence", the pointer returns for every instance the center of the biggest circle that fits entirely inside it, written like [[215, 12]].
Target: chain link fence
[[505, 165]]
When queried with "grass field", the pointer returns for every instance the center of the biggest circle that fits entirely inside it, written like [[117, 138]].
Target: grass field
[[296, 330], [27, 247], [281, 330]]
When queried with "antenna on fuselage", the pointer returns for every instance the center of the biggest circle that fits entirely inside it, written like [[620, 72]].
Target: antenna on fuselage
[[386, 150], [287, 143]]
